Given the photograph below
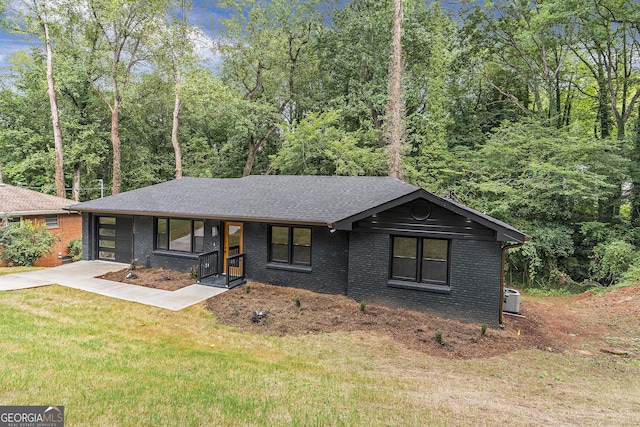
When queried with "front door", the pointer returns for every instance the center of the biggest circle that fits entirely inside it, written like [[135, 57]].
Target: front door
[[232, 241], [115, 238]]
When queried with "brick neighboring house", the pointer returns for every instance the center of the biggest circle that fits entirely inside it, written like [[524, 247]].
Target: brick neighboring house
[[376, 239], [19, 204]]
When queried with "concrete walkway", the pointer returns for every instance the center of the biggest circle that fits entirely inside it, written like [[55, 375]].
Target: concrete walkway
[[81, 275]]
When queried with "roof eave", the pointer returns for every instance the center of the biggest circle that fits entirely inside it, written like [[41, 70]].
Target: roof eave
[[35, 213], [503, 234], [160, 214]]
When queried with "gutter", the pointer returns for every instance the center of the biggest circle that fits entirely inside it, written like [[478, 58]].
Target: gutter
[[505, 248]]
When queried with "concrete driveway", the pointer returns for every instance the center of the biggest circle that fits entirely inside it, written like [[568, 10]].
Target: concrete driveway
[[81, 275]]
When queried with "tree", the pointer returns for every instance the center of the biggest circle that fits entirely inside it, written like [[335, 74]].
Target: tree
[[123, 29], [560, 187], [396, 104], [34, 17], [264, 46], [177, 51], [533, 41], [318, 146]]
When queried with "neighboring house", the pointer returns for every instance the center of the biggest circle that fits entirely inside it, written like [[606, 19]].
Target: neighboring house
[[376, 239], [20, 204]]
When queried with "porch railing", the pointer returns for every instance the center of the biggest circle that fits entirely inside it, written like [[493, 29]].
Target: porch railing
[[235, 269], [207, 264]]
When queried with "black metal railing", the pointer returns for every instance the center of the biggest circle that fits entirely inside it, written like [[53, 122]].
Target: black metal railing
[[207, 264], [235, 269]]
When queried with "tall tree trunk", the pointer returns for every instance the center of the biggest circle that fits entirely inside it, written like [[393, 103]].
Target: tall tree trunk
[[251, 157], [396, 106], [634, 197], [75, 186], [174, 129], [604, 110], [115, 144], [55, 119], [0, 172]]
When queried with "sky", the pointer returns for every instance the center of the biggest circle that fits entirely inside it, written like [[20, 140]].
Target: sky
[[203, 14]]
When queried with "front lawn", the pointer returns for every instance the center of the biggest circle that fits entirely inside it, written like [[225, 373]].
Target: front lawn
[[12, 270], [116, 363]]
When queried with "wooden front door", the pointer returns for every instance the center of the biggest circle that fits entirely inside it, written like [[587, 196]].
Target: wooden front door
[[232, 241]]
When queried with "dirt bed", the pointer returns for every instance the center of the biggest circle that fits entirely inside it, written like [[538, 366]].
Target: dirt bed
[[157, 278], [589, 324]]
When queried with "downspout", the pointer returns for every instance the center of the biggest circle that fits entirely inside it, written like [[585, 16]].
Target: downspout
[[504, 253]]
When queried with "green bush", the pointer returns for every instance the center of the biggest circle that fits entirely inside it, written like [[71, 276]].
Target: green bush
[[611, 261], [74, 249], [26, 243]]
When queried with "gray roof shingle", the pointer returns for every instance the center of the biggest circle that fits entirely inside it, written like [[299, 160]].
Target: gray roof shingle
[[322, 200], [309, 199]]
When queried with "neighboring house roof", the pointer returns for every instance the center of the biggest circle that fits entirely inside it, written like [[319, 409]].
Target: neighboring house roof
[[19, 201], [334, 201]]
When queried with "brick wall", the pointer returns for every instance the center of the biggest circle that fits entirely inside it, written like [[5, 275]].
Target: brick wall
[[69, 228], [474, 293], [329, 261]]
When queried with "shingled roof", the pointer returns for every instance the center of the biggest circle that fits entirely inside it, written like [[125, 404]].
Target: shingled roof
[[333, 201], [19, 201]]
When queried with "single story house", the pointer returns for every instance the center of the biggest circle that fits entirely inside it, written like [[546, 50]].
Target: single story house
[[20, 204], [376, 239]]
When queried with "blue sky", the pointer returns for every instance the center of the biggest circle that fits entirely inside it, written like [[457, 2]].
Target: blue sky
[[203, 14]]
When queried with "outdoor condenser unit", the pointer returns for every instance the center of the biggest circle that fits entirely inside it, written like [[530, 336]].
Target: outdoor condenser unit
[[511, 301]]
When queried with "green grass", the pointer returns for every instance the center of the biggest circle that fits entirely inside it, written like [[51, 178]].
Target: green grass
[[115, 363], [12, 270]]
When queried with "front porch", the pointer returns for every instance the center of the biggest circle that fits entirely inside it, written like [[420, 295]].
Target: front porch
[[233, 270]]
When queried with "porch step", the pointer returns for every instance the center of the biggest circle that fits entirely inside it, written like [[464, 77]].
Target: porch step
[[218, 282]]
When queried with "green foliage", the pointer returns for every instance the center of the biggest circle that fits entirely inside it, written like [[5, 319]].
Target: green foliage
[[297, 301], [26, 243], [193, 273], [612, 260], [363, 305], [318, 146], [439, 336], [74, 249], [483, 329]]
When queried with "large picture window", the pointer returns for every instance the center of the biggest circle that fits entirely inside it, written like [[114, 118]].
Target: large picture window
[[180, 235], [421, 260], [290, 245]]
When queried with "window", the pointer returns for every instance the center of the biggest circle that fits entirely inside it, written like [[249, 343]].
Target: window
[[290, 245], [52, 221], [12, 220], [180, 235], [420, 260]]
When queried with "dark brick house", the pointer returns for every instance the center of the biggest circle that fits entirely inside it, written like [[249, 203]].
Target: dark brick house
[[376, 239]]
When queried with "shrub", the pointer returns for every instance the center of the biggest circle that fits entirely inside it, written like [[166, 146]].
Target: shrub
[[439, 336], [612, 260], [363, 305], [297, 301], [74, 249], [26, 243]]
